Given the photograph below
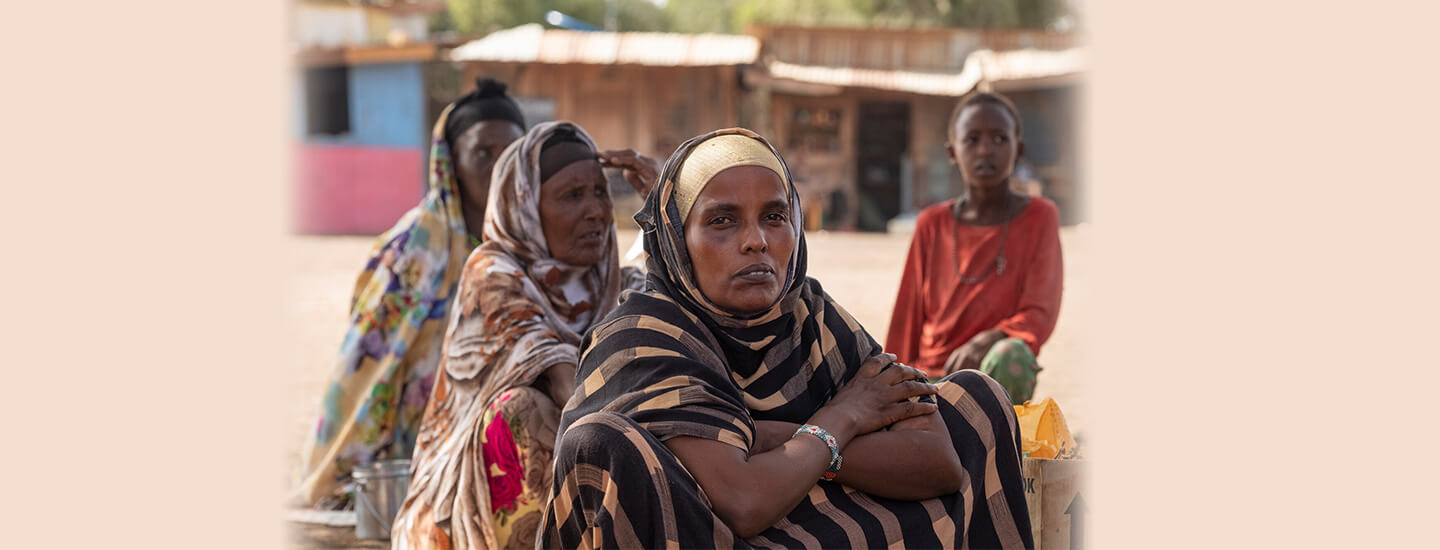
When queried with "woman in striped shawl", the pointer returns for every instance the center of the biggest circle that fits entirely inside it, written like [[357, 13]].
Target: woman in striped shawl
[[734, 404]]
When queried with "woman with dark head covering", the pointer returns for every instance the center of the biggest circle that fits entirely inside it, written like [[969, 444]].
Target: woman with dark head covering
[[478, 128], [386, 366], [547, 271], [734, 404]]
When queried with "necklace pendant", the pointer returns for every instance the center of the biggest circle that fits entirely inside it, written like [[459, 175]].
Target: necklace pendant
[[999, 265]]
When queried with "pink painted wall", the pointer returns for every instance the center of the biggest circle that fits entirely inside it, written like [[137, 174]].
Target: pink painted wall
[[354, 190]]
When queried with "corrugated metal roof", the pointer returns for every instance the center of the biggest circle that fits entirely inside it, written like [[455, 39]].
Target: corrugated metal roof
[[980, 66], [1027, 64], [535, 44]]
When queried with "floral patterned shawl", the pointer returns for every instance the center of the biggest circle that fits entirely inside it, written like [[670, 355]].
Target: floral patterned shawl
[[386, 365]]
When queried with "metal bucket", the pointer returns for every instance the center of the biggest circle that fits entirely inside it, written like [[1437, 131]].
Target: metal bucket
[[379, 490]]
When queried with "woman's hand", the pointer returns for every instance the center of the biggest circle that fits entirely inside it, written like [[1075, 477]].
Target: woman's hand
[[639, 169], [560, 383], [878, 396], [970, 354]]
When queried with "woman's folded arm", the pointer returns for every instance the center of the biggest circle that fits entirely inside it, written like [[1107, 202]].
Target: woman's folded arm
[[913, 460]]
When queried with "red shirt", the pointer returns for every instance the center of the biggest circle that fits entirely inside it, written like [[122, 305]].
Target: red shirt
[[935, 313]]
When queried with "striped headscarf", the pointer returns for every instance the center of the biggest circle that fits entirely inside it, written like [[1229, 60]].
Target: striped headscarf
[[673, 361], [518, 312]]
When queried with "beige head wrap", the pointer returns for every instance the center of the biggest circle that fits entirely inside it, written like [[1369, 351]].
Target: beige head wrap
[[714, 156]]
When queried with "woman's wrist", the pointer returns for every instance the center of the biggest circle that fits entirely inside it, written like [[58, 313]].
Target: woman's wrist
[[832, 469], [560, 372], [993, 336], [559, 382], [839, 423]]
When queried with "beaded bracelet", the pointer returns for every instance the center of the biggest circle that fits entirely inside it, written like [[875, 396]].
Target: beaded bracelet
[[835, 458]]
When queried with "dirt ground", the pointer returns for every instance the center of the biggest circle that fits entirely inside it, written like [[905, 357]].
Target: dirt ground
[[861, 271]]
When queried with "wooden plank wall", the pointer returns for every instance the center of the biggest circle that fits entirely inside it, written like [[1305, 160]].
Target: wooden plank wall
[[819, 174], [895, 49], [654, 109], [650, 109]]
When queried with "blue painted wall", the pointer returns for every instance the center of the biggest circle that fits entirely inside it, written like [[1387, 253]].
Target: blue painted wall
[[360, 182], [387, 105]]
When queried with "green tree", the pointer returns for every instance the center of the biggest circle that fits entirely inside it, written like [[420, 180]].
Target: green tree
[[1036, 14], [797, 12], [1032, 14], [733, 16], [895, 13], [904, 13], [985, 13], [700, 16], [477, 16]]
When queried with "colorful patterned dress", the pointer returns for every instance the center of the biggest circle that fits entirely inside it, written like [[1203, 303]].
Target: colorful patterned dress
[[386, 366]]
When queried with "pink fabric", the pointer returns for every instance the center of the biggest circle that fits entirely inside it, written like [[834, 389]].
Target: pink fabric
[[499, 451]]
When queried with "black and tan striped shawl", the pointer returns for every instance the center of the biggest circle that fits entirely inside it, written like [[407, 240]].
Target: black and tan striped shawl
[[668, 361], [673, 361], [665, 368]]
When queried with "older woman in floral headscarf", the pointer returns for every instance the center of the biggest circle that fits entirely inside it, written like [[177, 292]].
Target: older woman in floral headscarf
[[547, 271]]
